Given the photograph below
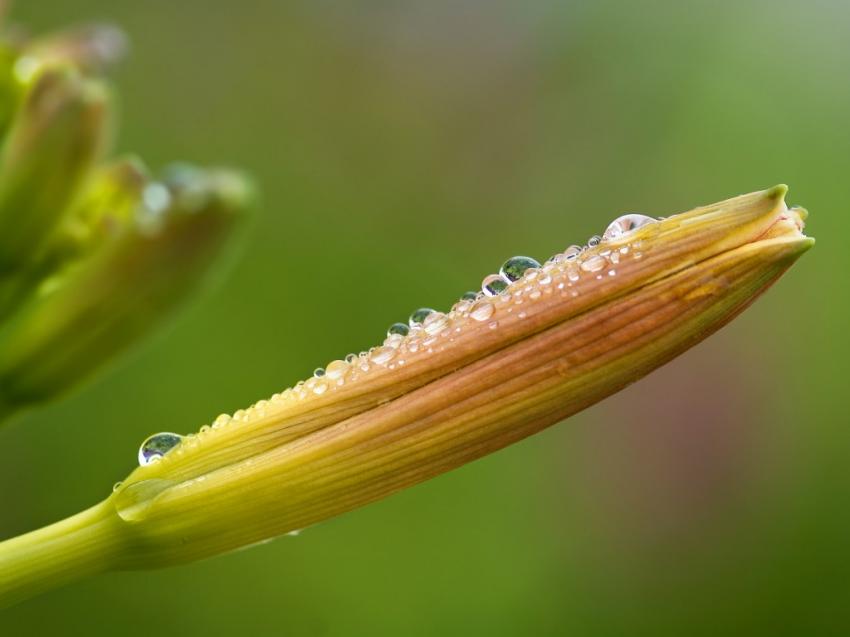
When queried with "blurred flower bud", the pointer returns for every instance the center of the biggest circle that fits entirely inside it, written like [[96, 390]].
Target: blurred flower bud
[[95, 309], [55, 139]]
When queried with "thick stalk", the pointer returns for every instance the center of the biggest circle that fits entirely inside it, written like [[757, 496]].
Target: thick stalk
[[82, 545]]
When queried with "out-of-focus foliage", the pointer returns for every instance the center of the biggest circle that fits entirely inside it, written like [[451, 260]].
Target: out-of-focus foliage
[[396, 144], [92, 258]]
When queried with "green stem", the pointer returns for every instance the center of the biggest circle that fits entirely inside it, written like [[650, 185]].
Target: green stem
[[82, 545]]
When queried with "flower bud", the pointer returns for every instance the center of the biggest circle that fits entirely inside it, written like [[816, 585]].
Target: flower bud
[[96, 308]]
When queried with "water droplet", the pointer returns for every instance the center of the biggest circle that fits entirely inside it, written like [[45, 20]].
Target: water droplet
[[482, 310], [493, 325], [522, 315], [435, 323], [320, 388], [398, 328], [350, 358], [515, 267], [221, 421], [594, 263], [469, 296], [319, 372], [117, 486], [493, 285], [337, 369], [394, 340], [382, 355], [572, 252], [625, 224], [594, 241], [420, 315], [157, 446]]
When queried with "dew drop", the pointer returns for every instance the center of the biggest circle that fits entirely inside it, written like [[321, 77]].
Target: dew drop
[[398, 328], [572, 252], [469, 296], [593, 263], [493, 285], [625, 224], [350, 358], [382, 355], [420, 315], [515, 267], [435, 323], [594, 241], [221, 421], [395, 340], [337, 369], [157, 446], [482, 310], [320, 388], [319, 372]]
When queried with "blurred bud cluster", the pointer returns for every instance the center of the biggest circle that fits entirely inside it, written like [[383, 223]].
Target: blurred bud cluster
[[94, 252]]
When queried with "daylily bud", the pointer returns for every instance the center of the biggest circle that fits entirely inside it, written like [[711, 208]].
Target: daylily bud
[[90, 47], [96, 308], [546, 343], [56, 137]]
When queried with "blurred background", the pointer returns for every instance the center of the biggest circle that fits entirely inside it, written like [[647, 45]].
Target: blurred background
[[404, 150]]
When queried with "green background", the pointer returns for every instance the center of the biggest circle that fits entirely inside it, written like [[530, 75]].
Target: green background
[[403, 150]]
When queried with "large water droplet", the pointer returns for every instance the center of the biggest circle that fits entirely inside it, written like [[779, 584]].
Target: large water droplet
[[482, 310], [420, 315], [515, 267], [625, 224], [157, 446], [398, 328], [493, 285]]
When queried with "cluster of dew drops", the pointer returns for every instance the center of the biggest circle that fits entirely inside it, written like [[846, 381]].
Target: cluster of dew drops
[[428, 330]]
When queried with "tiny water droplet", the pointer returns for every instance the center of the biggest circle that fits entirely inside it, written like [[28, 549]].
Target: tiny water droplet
[[398, 328], [320, 388], [625, 224], [350, 358], [420, 315], [382, 355], [493, 285], [469, 296], [116, 486], [435, 323], [593, 263], [221, 421], [337, 369], [395, 340], [482, 310], [493, 325], [594, 241], [572, 252], [319, 372], [157, 446], [515, 267]]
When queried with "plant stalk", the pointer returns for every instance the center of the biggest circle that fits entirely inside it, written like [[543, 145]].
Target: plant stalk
[[82, 545]]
